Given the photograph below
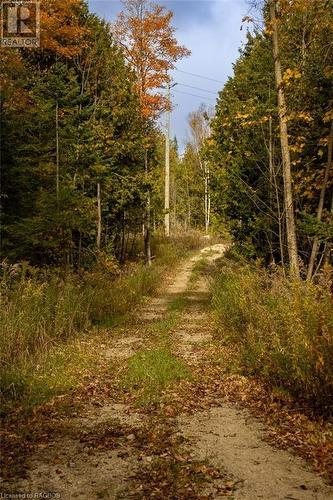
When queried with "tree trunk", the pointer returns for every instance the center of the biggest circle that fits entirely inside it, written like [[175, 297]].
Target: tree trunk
[[122, 245], [174, 201], [147, 236], [188, 217], [106, 232], [80, 248], [133, 245], [271, 173], [206, 204], [280, 218], [321, 204], [99, 217], [208, 200], [328, 251], [286, 163], [207, 197], [57, 148]]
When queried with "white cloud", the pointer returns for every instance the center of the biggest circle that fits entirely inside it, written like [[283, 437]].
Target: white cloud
[[211, 30], [214, 47]]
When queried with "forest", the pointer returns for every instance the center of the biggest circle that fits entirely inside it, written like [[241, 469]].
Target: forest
[[101, 208]]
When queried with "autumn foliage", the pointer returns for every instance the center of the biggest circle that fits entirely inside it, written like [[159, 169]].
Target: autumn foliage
[[247, 152], [145, 32], [61, 30]]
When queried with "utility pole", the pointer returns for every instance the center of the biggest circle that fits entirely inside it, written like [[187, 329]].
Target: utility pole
[[167, 169], [167, 164]]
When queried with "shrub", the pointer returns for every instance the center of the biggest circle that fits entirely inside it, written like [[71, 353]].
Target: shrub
[[282, 328], [45, 308]]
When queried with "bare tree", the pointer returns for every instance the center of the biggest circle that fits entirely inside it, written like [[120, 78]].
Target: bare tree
[[200, 131]]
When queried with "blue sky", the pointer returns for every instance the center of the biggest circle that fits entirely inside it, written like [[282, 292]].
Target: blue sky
[[211, 30]]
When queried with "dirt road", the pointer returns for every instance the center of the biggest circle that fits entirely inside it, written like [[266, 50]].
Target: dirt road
[[180, 447]]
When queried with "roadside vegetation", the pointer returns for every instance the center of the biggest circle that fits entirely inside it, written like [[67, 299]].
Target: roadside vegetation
[[44, 311], [91, 183], [278, 329]]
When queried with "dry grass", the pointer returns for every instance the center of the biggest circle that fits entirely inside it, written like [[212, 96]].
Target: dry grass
[[283, 329], [43, 309]]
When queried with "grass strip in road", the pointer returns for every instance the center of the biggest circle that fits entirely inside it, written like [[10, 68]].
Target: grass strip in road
[[151, 372], [178, 304]]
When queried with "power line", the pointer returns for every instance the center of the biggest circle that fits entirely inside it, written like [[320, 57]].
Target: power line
[[197, 88], [199, 76], [205, 98]]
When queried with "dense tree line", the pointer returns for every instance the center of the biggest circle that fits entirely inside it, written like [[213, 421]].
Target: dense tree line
[[72, 151], [80, 143], [83, 156], [249, 179]]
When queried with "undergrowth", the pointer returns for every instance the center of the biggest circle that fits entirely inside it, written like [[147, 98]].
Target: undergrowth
[[44, 310], [282, 329]]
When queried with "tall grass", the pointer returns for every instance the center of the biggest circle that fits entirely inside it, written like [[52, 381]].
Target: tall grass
[[43, 309], [283, 329]]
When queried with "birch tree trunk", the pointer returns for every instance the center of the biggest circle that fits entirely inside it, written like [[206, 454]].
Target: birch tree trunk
[[206, 204], [286, 163], [315, 244], [188, 216], [208, 198], [205, 171], [174, 200]]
